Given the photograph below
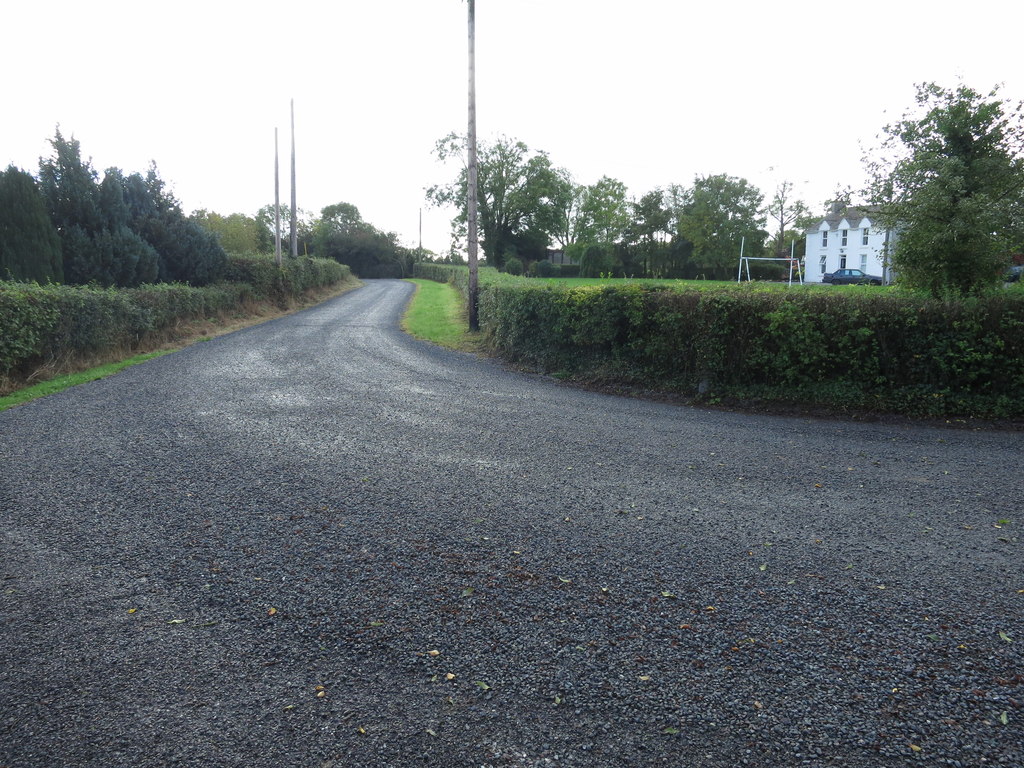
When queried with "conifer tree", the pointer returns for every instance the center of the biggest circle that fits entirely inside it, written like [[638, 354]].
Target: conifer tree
[[29, 245]]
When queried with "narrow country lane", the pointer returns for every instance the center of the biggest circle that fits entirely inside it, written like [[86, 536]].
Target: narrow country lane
[[318, 542]]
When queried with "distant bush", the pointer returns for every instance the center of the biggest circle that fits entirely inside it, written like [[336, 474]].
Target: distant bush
[[40, 323], [542, 268]]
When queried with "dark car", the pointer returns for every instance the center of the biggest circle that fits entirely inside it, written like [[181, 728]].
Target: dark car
[[851, 277], [1013, 273]]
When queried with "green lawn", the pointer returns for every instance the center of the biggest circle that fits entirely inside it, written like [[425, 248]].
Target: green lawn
[[437, 314]]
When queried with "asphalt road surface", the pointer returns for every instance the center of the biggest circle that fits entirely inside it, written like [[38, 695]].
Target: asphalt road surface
[[318, 542]]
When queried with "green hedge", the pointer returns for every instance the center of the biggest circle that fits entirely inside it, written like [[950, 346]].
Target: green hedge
[[53, 322], [857, 349]]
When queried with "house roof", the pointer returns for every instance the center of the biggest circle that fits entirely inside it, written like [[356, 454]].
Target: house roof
[[853, 215]]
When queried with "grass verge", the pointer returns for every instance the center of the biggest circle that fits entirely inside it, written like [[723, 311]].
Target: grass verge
[[437, 314], [57, 377], [60, 383]]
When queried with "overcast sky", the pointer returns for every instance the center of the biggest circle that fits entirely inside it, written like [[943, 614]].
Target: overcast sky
[[651, 92]]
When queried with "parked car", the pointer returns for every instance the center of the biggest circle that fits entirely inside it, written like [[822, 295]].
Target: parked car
[[851, 277], [1013, 273]]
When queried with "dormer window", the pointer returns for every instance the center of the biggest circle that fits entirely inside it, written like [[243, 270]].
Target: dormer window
[[844, 238], [824, 239], [864, 239]]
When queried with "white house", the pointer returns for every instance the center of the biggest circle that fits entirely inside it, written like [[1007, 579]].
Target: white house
[[848, 238]]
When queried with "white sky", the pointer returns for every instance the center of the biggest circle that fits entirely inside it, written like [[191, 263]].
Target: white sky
[[651, 92]]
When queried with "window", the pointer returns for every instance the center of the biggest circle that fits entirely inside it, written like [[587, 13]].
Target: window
[[842, 261], [845, 233], [863, 262], [864, 238], [824, 239], [823, 264]]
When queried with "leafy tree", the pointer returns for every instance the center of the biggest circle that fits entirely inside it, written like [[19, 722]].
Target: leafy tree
[[29, 245], [604, 212], [716, 215], [566, 199], [236, 232], [785, 210], [305, 221], [342, 234], [951, 183], [516, 187], [648, 234]]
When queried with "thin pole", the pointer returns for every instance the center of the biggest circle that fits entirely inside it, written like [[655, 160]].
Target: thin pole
[[471, 174], [295, 230], [277, 204]]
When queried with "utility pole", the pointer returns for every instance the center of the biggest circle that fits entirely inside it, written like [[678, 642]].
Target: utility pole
[[471, 173], [277, 204], [295, 230]]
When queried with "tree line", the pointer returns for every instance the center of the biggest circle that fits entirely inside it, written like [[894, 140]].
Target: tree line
[[527, 205], [67, 225], [948, 180]]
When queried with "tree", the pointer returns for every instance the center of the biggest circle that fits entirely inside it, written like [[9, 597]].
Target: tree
[[784, 210], [133, 261], [951, 183], [98, 243], [604, 212], [566, 199], [29, 245], [342, 234], [648, 233], [188, 252], [716, 215], [265, 219], [69, 188], [236, 232], [515, 187]]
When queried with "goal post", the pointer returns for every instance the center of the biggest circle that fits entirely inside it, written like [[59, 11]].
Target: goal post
[[794, 267]]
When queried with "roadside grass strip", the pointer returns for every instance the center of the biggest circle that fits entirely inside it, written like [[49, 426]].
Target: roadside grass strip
[[436, 314], [60, 383]]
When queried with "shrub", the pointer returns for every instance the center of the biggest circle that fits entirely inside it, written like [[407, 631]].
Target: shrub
[[884, 350], [55, 322]]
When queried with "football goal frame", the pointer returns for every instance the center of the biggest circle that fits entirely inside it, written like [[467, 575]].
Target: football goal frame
[[794, 266]]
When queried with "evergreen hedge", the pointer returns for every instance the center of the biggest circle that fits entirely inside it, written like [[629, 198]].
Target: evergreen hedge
[[859, 349], [39, 323]]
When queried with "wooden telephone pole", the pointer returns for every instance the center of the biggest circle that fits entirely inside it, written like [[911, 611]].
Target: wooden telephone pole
[[277, 205], [471, 195], [295, 218]]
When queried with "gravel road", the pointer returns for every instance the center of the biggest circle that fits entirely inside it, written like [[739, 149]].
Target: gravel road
[[318, 542]]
